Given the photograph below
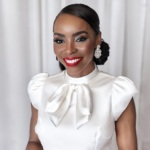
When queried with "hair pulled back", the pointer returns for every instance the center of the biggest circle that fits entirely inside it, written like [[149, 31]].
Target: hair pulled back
[[91, 17]]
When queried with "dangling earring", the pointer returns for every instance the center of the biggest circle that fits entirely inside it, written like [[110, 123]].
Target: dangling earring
[[97, 52], [56, 58], [101, 53]]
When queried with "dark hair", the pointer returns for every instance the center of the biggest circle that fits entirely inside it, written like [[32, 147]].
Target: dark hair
[[91, 17]]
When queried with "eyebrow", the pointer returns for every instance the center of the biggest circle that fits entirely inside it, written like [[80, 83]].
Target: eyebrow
[[80, 32], [75, 34]]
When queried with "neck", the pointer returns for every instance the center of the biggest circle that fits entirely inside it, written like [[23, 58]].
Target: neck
[[76, 73]]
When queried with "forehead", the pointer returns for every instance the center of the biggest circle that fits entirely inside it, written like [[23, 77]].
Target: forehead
[[67, 22]]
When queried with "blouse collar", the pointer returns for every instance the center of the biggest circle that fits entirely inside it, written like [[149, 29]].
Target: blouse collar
[[81, 80]]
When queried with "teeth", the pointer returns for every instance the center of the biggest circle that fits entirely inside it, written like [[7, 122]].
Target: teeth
[[72, 61]]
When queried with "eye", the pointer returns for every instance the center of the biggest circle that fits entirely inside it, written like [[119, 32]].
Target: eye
[[58, 41], [81, 39]]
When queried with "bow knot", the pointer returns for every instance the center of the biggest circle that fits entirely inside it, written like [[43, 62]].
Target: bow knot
[[60, 101]]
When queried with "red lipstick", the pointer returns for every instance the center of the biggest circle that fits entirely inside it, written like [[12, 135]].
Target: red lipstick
[[72, 61]]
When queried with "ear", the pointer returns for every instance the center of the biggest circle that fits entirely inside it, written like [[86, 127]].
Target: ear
[[98, 39]]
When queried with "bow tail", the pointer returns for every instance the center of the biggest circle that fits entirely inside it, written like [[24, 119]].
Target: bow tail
[[63, 102], [83, 107]]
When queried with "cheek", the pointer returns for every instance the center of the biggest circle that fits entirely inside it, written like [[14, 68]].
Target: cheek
[[57, 50], [88, 48]]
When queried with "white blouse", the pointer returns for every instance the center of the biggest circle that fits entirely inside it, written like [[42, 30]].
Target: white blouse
[[78, 113]]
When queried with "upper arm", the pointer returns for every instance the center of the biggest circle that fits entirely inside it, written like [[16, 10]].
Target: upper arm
[[33, 136], [126, 129], [34, 142]]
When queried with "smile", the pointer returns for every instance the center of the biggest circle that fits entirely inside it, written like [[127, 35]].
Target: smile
[[72, 61]]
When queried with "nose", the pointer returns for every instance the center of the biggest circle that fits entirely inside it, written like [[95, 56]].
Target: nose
[[70, 48]]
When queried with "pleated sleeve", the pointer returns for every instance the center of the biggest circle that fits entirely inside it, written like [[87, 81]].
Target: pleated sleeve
[[35, 88], [123, 91]]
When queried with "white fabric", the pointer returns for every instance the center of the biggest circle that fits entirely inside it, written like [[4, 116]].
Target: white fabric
[[79, 113]]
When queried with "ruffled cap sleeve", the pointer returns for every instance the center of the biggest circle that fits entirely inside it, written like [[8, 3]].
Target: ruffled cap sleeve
[[35, 88], [122, 93]]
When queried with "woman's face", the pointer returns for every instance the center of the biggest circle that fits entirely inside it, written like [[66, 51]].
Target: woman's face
[[74, 44]]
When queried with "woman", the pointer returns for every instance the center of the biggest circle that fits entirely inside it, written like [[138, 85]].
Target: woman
[[81, 107]]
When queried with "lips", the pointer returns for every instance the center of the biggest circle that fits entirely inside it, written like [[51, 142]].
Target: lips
[[72, 61]]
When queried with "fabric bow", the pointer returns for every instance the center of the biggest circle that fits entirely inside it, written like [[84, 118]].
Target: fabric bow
[[59, 103]]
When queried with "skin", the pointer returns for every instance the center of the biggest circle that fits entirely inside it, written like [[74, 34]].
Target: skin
[[126, 129], [34, 142], [74, 38]]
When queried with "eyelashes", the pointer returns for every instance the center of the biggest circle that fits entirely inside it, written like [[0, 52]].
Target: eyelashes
[[60, 41], [81, 39]]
